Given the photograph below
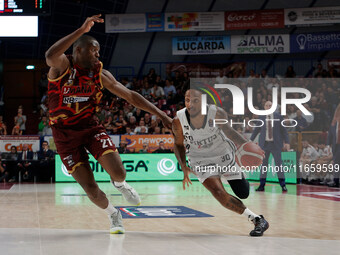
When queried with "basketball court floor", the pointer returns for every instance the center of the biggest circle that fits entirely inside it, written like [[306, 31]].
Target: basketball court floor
[[60, 219]]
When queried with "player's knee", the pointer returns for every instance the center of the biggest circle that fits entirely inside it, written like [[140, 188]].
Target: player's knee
[[243, 194]]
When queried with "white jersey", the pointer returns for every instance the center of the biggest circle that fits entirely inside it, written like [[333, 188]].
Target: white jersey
[[325, 152], [208, 145]]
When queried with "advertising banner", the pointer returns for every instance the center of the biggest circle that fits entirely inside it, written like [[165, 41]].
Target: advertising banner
[[314, 42], [160, 167], [194, 21], [207, 70], [289, 165], [200, 45], [309, 16], [139, 167], [154, 22], [124, 23], [254, 19], [260, 44], [7, 141], [135, 142]]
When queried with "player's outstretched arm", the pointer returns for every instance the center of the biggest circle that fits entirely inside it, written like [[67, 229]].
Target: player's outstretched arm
[[133, 97], [179, 150], [55, 56], [231, 133]]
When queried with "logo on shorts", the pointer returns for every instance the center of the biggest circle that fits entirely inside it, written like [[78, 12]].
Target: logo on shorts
[[97, 136], [166, 166], [69, 160]]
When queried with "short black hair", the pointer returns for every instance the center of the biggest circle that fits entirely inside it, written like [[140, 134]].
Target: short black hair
[[82, 41]]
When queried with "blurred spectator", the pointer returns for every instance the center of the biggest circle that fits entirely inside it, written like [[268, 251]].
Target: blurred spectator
[[147, 119], [146, 90], [16, 130], [123, 147], [145, 148], [265, 76], [139, 114], [128, 131], [251, 77], [108, 125], [20, 120], [25, 163], [157, 92], [3, 128], [47, 130], [221, 79], [120, 124], [308, 156], [132, 123], [162, 149], [301, 122], [46, 162], [12, 159], [4, 174], [138, 129], [43, 123], [152, 75], [177, 80], [157, 131], [169, 89], [290, 73], [320, 72]]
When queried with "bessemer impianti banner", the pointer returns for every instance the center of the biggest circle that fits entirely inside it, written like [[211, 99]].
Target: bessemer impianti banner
[[160, 167], [200, 45], [309, 42]]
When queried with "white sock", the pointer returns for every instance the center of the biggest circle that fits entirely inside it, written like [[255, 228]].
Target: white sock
[[119, 184], [249, 214], [110, 209]]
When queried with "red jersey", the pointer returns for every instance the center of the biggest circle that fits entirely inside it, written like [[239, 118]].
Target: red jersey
[[73, 98]]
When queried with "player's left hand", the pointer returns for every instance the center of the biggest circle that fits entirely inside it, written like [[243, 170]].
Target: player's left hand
[[186, 179], [167, 121]]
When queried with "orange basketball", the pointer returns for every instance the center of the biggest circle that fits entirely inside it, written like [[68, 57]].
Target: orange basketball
[[249, 155]]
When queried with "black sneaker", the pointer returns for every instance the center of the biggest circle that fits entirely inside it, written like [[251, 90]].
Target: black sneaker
[[261, 225], [260, 188], [284, 189]]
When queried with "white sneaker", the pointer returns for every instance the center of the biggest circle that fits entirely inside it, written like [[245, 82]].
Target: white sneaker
[[129, 193], [116, 223]]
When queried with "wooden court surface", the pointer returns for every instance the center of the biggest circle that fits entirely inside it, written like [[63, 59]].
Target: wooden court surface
[[59, 218]]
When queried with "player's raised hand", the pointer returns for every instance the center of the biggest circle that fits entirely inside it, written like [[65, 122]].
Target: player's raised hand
[[89, 22]]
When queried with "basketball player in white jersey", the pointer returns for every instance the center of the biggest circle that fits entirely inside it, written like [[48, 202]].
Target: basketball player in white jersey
[[207, 147]]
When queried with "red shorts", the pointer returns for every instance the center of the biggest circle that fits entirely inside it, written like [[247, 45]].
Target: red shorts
[[72, 145]]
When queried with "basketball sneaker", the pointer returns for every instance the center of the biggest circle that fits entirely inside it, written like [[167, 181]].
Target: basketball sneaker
[[261, 225], [129, 193], [116, 223]]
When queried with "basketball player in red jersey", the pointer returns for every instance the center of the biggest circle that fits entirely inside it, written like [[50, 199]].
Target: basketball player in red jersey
[[74, 92], [207, 148]]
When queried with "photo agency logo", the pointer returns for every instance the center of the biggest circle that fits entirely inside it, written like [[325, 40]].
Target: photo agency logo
[[256, 102]]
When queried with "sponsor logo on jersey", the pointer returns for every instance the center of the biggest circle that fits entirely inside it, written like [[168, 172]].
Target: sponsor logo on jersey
[[86, 90], [70, 100]]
